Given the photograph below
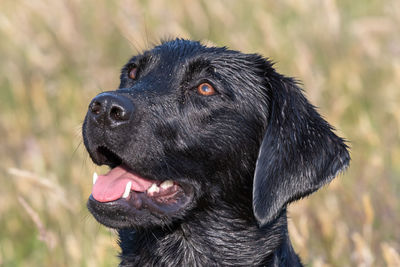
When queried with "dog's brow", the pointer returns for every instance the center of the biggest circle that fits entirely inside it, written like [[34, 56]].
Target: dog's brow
[[198, 65], [139, 60]]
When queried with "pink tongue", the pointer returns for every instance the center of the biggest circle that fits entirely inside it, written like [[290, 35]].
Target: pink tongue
[[111, 186]]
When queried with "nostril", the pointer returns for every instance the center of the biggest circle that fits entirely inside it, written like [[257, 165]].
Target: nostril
[[95, 107], [118, 114], [110, 109]]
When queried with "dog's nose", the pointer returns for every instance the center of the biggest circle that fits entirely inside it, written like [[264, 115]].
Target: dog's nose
[[111, 109]]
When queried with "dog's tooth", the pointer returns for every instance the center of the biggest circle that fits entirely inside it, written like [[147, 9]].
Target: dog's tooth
[[153, 189], [95, 176], [127, 190], [166, 184]]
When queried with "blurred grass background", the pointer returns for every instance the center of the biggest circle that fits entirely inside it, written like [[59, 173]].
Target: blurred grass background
[[56, 55]]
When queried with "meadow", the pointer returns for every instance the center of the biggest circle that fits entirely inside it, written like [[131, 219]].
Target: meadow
[[56, 55]]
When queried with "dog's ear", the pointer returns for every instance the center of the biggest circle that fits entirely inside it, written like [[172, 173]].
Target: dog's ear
[[299, 152]]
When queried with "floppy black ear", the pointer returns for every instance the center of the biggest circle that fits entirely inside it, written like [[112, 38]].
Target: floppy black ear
[[298, 155]]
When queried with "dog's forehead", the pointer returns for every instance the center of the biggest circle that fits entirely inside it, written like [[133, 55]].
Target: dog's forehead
[[179, 49], [181, 52], [175, 56]]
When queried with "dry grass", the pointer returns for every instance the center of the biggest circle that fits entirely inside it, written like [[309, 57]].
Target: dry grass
[[56, 55]]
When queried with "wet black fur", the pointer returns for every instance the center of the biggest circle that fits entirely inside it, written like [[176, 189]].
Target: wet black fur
[[247, 152]]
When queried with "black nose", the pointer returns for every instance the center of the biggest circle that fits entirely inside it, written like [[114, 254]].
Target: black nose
[[111, 109]]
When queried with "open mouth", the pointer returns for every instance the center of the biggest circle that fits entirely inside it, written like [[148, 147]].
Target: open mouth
[[122, 185]]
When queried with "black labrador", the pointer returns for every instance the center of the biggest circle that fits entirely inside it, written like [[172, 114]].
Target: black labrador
[[207, 146]]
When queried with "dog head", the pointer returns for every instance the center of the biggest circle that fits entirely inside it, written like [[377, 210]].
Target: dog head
[[190, 126]]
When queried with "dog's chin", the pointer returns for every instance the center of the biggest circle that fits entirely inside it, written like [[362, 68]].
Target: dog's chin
[[140, 209]]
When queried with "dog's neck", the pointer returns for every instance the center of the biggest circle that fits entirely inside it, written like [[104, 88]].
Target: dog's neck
[[237, 243]]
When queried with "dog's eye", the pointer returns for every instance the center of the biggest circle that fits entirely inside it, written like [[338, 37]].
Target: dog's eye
[[206, 89], [132, 73]]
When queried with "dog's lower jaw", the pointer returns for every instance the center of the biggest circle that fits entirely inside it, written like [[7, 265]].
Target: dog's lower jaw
[[240, 243]]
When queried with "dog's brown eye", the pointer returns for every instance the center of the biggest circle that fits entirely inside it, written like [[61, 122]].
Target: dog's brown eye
[[132, 73], [205, 89]]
